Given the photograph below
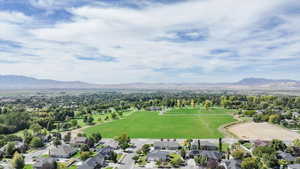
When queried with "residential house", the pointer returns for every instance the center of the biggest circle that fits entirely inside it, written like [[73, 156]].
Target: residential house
[[166, 145], [62, 151], [78, 141], [258, 143], [106, 152], [45, 163], [154, 108], [286, 156], [19, 146], [232, 164], [204, 145], [295, 114], [293, 166], [95, 162], [158, 155], [211, 155]]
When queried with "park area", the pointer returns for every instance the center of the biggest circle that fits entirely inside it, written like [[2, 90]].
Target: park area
[[175, 123]]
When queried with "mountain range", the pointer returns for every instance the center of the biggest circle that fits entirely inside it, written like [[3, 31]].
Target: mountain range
[[24, 82]]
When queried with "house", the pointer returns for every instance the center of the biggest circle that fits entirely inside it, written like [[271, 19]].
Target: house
[[293, 166], [295, 114], [286, 156], [204, 145], [78, 141], [95, 162], [44, 138], [106, 152], [154, 108], [19, 146], [211, 155], [158, 155], [296, 151], [259, 143], [45, 163], [232, 164], [166, 145], [61, 151]]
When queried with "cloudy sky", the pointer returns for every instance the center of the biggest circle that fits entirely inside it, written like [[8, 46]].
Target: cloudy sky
[[121, 41]]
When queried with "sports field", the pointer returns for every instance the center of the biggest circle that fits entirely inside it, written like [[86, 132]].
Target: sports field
[[176, 123]]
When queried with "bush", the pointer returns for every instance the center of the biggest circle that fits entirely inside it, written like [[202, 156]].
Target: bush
[[238, 154], [85, 155], [18, 161], [36, 142]]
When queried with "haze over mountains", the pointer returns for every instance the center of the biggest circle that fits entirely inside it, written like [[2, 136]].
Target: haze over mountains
[[23, 82]]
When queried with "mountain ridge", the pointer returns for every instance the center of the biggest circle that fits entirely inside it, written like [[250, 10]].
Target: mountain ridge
[[25, 82]]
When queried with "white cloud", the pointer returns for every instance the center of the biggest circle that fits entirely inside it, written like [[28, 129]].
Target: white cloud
[[132, 36]]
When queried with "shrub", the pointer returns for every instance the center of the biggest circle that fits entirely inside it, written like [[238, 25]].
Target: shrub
[[36, 142]]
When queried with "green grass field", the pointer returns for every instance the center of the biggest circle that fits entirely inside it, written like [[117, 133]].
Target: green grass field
[[176, 123]]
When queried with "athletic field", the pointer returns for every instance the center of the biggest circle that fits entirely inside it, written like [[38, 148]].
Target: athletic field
[[175, 123]]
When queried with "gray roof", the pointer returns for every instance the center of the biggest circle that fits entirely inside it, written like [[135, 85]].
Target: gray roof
[[158, 155], [294, 166], [93, 162], [62, 150], [204, 143], [286, 156], [79, 140], [105, 151], [43, 161], [215, 155], [233, 164], [166, 144]]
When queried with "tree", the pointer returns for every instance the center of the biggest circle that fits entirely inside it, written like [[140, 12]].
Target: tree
[[207, 104], [201, 160], [18, 161], [250, 163], [123, 141], [274, 118], [10, 149], [85, 155], [296, 143], [176, 160], [220, 144], [146, 148], [114, 157], [74, 122], [57, 142], [113, 115], [278, 145], [97, 137], [238, 154], [193, 103], [36, 128], [36, 142], [183, 153], [67, 137]]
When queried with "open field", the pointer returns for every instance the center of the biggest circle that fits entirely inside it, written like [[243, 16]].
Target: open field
[[183, 124], [263, 131]]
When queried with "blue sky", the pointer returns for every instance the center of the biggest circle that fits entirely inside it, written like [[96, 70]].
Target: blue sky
[[123, 41]]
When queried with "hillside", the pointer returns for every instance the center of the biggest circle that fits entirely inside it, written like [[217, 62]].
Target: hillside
[[23, 82]]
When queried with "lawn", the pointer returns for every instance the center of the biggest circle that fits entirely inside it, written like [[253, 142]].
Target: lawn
[[176, 123]]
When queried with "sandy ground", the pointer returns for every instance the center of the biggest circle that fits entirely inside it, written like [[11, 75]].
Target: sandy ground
[[263, 131]]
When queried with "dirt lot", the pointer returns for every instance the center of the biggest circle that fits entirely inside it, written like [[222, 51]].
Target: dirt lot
[[263, 131]]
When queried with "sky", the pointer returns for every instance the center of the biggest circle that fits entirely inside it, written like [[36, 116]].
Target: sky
[[170, 41]]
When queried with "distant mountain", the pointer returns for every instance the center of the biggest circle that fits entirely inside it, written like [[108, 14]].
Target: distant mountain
[[24, 82], [262, 81]]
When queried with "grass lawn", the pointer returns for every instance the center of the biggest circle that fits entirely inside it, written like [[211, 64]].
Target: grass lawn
[[28, 166], [177, 123]]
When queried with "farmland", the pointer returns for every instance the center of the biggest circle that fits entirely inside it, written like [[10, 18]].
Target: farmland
[[175, 123]]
